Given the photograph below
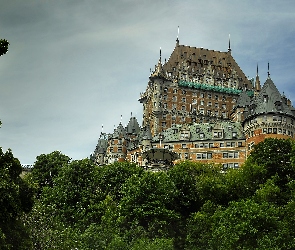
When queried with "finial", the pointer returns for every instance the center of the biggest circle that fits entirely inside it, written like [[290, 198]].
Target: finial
[[101, 128], [268, 74], [177, 40], [257, 70], [131, 114], [160, 55], [121, 119], [229, 49]]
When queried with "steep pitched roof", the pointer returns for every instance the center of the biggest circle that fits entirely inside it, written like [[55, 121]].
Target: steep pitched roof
[[119, 132], [189, 63], [243, 100], [133, 126], [269, 100]]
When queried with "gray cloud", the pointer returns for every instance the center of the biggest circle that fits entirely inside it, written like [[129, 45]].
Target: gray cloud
[[75, 65]]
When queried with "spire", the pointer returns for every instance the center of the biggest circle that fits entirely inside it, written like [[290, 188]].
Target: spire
[[160, 55], [177, 40], [229, 49], [257, 82], [268, 74]]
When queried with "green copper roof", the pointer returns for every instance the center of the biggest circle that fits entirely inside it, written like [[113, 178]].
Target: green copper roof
[[203, 86]]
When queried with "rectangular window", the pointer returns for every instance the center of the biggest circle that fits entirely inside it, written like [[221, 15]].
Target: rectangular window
[[210, 145], [279, 130], [269, 130], [234, 134], [225, 155], [183, 146], [209, 156], [199, 156], [204, 156], [197, 145], [236, 154], [274, 130], [183, 99], [216, 97], [264, 130], [221, 144], [236, 165], [231, 155], [201, 135], [209, 104], [240, 144], [201, 145]]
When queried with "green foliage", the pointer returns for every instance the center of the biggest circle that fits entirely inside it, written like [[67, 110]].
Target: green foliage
[[3, 46], [275, 155], [16, 198], [148, 203], [191, 206], [47, 167]]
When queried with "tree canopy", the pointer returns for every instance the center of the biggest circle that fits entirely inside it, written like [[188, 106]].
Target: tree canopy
[[191, 206], [3, 46]]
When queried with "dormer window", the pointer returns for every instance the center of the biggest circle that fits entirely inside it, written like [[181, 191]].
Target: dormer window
[[265, 98], [278, 105]]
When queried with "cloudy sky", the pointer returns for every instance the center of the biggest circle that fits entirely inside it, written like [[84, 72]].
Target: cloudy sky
[[74, 65]]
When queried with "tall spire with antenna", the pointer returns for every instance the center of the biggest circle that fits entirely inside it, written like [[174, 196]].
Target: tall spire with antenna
[[177, 40], [229, 49]]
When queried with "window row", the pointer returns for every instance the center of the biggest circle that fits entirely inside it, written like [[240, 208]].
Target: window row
[[230, 155], [230, 165], [275, 131], [222, 144]]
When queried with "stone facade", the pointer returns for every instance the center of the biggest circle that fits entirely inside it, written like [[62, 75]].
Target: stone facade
[[200, 105]]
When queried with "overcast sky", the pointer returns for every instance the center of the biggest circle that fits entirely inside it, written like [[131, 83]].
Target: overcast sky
[[74, 65]]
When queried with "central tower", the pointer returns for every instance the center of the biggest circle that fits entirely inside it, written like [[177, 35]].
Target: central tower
[[194, 85]]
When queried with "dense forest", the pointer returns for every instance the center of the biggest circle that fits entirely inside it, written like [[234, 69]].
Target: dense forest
[[74, 204]]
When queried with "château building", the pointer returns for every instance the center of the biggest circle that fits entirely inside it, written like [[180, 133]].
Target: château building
[[199, 105]]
